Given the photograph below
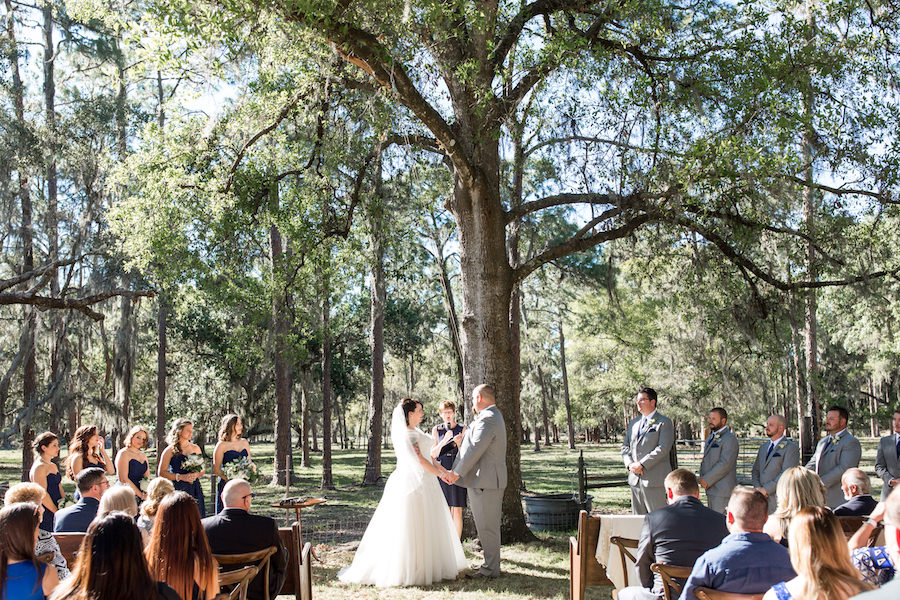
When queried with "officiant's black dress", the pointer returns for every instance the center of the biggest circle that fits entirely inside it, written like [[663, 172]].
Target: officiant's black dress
[[455, 495]]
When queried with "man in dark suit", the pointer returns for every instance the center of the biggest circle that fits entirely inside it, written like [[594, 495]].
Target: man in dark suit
[[890, 590], [858, 492], [675, 535], [887, 461], [92, 483], [236, 531]]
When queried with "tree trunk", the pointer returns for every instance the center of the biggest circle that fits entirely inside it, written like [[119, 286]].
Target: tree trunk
[[377, 298], [284, 468], [305, 426], [162, 316], [544, 416], [570, 429], [327, 479], [123, 360]]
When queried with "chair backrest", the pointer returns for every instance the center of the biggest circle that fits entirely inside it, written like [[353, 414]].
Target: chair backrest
[[260, 557], [625, 545], [240, 579], [46, 557], [304, 564], [703, 593], [69, 543], [849, 525], [671, 574]]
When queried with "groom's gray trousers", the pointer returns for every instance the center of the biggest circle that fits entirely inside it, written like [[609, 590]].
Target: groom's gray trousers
[[486, 505]]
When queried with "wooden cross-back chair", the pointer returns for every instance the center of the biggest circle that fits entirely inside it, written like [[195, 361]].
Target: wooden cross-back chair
[[260, 558], [671, 576]]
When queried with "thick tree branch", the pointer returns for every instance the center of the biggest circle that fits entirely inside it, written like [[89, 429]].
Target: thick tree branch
[[578, 243], [525, 14], [596, 140], [568, 199], [82, 304], [885, 197], [43, 272]]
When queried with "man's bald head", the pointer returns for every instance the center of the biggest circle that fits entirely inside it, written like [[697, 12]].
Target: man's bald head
[[235, 493]]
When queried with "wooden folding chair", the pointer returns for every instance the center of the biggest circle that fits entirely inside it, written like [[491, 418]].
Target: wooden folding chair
[[69, 544], [703, 593], [260, 557], [46, 557], [625, 545], [849, 525], [240, 579], [670, 575]]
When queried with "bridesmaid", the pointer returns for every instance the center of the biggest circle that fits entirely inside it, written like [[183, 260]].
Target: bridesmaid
[[86, 451], [173, 457], [46, 474], [445, 451], [231, 447], [132, 465]]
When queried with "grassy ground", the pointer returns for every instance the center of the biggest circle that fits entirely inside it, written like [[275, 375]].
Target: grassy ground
[[533, 571]]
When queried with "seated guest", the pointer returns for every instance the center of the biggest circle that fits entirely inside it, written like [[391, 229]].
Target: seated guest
[[747, 561], [116, 500], [236, 531], [858, 493], [820, 558], [890, 508], [112, 562], [158, 489], [797, 488], [178, 551], [46, 543], [22, 576], [675, 535], [92, 484], [874, 563]]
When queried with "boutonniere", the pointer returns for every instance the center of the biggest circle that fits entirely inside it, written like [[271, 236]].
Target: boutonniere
[[836, 438], [781, 445], [717, 437], [651, 422]]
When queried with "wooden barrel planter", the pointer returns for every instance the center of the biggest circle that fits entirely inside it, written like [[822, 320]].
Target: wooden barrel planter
[[554, 512]]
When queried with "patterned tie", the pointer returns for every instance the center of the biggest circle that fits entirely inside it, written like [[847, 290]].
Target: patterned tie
[[771, 447], [643, 425]]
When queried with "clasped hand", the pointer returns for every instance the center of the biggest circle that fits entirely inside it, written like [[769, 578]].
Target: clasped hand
[[450, 477]]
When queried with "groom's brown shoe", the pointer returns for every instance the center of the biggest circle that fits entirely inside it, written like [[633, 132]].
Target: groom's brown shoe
[[481, 575]]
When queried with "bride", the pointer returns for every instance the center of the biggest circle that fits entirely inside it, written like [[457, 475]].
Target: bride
[[411, 539]]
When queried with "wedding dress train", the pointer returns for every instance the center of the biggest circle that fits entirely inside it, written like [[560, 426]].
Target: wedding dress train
[[411, 539]]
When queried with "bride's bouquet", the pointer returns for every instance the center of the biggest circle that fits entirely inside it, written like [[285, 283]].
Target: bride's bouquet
[[242, 468], [193, 463]]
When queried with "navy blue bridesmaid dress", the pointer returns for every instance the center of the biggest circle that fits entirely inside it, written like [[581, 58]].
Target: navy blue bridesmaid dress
[[53, 480], [455, 495], [194, 489], [227, 457], [137, 470]]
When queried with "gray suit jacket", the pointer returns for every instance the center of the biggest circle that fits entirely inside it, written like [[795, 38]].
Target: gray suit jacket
[[887, 464], [650, 448], [767, 471], [481, 462], [719, 465], [830, 464]]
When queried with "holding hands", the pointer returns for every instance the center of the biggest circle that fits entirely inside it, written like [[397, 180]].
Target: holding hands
[[449, 477]]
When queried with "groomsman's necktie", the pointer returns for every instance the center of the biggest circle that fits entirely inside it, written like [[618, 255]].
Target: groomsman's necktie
[[827, 444], [898, 445], [769, 452]]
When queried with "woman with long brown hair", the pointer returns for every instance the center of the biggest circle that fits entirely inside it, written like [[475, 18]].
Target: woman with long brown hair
[[178, 552], [230, 447], [87, 450], [111, 565], [45, 473], [171, 462], [22, 576], [820, 558]]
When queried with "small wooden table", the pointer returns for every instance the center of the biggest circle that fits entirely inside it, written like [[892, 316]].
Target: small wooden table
[[297, 506]]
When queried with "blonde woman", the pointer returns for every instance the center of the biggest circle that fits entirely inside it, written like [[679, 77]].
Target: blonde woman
[[798, 488], [118, 499], [132, 465], [230, 447], [158, 489], [171, 463], [820, 558]]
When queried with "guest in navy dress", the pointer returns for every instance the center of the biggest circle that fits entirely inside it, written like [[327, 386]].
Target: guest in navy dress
[[23, 576], [87, 451], [231, 447], [171, 463], [131, 462], [445, 451], [46, 474]]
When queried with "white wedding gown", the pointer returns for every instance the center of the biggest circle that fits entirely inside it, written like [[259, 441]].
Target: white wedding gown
[[411, 539]]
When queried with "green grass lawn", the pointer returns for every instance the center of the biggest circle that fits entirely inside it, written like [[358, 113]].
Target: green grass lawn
[[533, 571]]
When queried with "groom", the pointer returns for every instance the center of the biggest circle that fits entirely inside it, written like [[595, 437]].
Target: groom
[[480, 466]]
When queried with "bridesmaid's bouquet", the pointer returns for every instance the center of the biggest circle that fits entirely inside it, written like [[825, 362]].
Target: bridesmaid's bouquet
[[65, 502], [242, 468], [193, 463]]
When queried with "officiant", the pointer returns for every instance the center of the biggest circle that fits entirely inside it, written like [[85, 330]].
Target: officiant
[[445, 451]]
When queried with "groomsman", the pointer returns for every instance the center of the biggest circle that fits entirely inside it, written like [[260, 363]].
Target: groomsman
[[887, 462], [835, 453], [718, 470], [645, 451], [774, 458]]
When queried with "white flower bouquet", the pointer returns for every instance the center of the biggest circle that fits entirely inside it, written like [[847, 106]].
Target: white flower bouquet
[[193, 463], [242, 468]]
